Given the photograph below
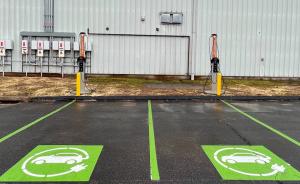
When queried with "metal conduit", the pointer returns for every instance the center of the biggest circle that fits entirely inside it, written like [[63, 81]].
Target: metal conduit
[[49, 16]]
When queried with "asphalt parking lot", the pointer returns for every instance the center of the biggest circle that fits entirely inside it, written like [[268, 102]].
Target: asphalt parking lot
[[150, 142]]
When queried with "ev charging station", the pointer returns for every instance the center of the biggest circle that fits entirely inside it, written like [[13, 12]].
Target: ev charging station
[[215, 72], [81, 88]]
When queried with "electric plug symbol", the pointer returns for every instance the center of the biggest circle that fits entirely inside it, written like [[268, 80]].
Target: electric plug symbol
[[278, 168], [79, 168]]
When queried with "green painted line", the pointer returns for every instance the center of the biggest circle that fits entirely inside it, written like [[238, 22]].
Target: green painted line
[[263, 124], [34, 122], [153, 159]]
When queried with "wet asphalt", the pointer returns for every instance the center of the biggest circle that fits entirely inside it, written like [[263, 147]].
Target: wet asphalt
[[180, 129]]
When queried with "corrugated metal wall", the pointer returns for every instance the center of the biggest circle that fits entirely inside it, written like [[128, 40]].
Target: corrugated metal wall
[[140, 55], [256, 37], [17, 16], [130, 54], [121, 16]]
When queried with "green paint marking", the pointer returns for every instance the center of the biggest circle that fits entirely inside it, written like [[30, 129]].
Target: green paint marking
[[263, 124], [249, 163], [153, 158], [34, 122], [55, 163]]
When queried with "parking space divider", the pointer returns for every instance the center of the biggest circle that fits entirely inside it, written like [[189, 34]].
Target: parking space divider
[[152, 147], [35, 122], [263, 124]]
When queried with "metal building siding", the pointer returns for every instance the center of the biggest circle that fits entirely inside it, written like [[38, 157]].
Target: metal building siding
[[17, 16], [129, 54], [140, 55], [249, 31], [121, 16]]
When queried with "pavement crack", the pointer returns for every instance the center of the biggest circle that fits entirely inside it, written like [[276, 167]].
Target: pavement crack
[[238, 134]]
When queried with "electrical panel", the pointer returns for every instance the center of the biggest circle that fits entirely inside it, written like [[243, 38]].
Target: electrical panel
[[33, 45], [165, 18], [177, 18], [55, 45], [76, 46], [67, 45], [8, 44], [171, 18], [46, 45]]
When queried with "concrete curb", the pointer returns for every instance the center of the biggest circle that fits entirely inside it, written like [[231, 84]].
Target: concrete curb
[[165, 98], [8, 100]]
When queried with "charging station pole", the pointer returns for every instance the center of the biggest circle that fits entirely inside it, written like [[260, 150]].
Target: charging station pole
[[215, 74], [80, 77]]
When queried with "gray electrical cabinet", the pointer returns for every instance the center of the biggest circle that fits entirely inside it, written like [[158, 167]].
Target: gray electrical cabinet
[[165, 18], [171, 18]]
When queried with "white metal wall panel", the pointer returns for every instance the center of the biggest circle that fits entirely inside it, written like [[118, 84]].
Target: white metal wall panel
[[121, 16], [17, 16], [256, 37], [140, 55]]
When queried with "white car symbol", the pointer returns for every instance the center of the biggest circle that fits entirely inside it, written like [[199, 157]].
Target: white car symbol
[[67, 158], [246, 158]]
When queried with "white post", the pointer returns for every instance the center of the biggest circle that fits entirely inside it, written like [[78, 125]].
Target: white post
[[62, 67], [3, 68], [26, 62], [41, 60]]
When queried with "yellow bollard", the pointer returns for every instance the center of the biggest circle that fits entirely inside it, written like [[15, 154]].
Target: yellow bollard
[[78, 78], [219, 84]]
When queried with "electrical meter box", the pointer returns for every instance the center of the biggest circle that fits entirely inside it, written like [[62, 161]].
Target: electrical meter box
[[165, 18], [55, 45], [46, 45], [9, 44], [177, 18], [171, 18], [67, 45], [33, 45], [76, 46]]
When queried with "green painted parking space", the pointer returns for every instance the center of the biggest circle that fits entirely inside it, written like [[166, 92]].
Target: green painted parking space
[[55, 163], [249, 163]]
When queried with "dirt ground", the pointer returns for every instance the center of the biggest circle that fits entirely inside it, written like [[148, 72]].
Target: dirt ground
[[100, 86]]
